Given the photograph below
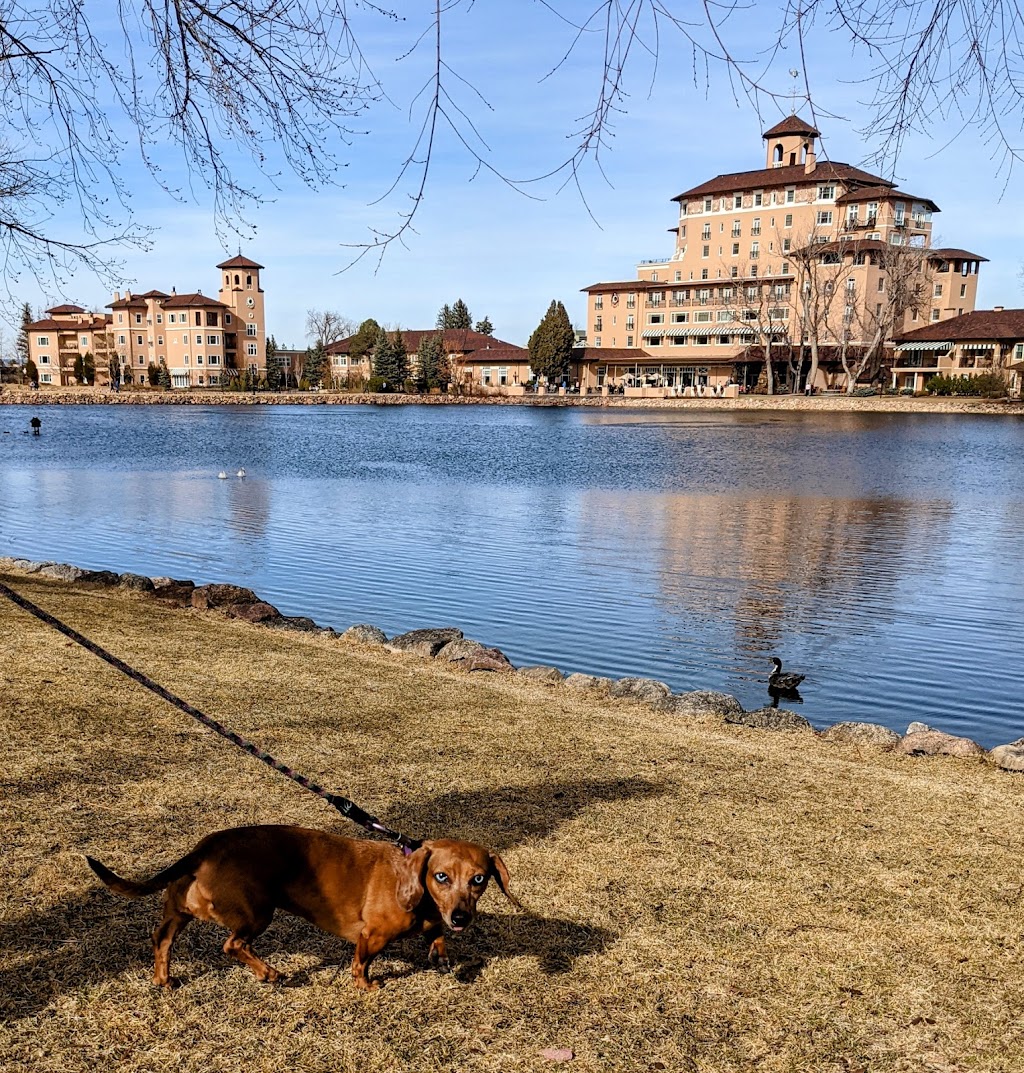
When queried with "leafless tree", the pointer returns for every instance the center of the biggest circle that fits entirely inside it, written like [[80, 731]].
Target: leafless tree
[[326, 326], [246, 88]]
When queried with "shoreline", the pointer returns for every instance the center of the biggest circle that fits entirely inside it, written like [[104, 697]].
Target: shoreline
[[448, 646], [15, 395]]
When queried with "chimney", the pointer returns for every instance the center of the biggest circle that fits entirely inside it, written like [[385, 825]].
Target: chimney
[[117, 296], [810, 161], [997, 309]]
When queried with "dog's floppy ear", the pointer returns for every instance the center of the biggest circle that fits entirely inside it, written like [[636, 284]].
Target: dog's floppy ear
[[500, 873], [410, 878]]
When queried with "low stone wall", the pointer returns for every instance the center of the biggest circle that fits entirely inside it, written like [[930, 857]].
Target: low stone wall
[[448, 645], [15, 395]]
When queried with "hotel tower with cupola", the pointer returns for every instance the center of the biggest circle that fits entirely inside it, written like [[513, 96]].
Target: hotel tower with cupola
[[802, 248], [202, 341]]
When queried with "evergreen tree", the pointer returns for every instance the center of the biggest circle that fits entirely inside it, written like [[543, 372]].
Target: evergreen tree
[[89, 367], [444, 317], [313, 369], [114, 371], [551, 344], [363, 343], [79, 369], [390, 361], [432, 363], [484, 327], [31, 372], [22, 346], [275, 366], [153, 374], [460, 315]]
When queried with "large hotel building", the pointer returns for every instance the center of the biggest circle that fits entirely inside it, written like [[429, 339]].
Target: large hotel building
[[201, 340], [799, 253]]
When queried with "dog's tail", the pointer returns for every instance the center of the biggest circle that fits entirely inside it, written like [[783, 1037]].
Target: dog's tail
[[186, 866]]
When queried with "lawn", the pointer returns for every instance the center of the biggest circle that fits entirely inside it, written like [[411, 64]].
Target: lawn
[[700, 897]]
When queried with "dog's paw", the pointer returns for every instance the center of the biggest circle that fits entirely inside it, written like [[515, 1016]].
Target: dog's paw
[[442, 964]]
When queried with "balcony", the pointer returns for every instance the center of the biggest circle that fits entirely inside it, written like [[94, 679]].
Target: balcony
[[655, 261]]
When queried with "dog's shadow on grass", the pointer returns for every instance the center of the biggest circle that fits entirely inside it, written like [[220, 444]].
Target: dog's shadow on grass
[[87, 937]]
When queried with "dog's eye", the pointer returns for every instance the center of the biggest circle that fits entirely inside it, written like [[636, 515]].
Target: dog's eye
[[441, 877], [478, 881]]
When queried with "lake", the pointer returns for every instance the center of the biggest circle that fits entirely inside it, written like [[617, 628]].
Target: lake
[[880, 555]]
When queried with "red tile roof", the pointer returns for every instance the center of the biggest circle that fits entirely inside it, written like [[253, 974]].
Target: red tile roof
[[792, 124], [610, 355], [628, 285], [456, 340], [179, 301], [944, 253], [878, 193], [239, 262], [66, 309], [981, 324], [133, 302], [826, 171]]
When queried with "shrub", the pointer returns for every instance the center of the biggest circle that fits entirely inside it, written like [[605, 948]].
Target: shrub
[[990, 385]]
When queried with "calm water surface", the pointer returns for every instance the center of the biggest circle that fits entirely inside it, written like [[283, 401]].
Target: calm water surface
[[879, 554]]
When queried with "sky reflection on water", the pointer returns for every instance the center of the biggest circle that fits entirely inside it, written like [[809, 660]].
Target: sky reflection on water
[[878, 554]]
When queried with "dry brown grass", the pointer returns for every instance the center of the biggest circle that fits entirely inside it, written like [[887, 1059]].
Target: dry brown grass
[[701, 897]]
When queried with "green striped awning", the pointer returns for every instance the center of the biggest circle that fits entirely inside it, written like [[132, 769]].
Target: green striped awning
[[924, 346]]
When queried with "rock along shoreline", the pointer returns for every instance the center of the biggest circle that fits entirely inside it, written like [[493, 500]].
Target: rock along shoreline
[[448, 645], [15, 395]]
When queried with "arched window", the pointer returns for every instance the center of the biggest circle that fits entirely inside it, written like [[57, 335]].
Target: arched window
[[227, 280], [237, 279], [248, 280], [777, 154]]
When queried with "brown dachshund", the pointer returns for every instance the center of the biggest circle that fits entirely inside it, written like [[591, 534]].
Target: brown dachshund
[[366, 892]]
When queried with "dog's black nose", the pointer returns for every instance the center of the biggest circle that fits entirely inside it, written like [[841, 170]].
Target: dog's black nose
[[460, 918]]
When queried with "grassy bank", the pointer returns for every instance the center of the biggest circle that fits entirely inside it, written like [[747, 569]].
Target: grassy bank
[[700, 897], [15, 395]]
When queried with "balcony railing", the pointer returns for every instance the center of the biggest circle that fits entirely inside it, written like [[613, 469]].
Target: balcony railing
[[655, 261]]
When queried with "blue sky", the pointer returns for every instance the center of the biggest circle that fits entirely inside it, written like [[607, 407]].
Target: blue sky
[[505, 254]]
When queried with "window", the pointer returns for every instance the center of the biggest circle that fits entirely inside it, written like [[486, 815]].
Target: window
[[881, 283], [629, 340], [45, 378], [159, 318], [655, 340], [758, 197], [826, 193], [707, 204], [199, 319], [85, 340], [824, 216], [678, 276], [851, 284], [227, 318], [736, 229], [214, 360], [734, 272], [790, 195], [652, 318], [630, 322], [705, 251], [120, 318], [852, 213], [737, 201], [598, 304], [42, 340], [252, 350], [788, 222], [160, 340], [937, 292], [680, 318], [706, 232], [896, 239], [725, 316], [755, 227], [44, 359], [963, 290], [199, 359], [786, 244], [597, 340], [138, 318], [755, 250], [785, 268], [598, 325], [212, 340], [138, 339], [935, 314], [703, 273]]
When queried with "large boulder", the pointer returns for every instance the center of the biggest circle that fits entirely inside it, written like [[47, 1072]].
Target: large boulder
[[644, 690], [937, 743], [488, 659], [458, 649], [591, 683], [173, 591], [63, 572], [365, 634], [550, 675], [136, 582], [426, 642], [205, 597], [101, 577], [704, 702], [770, 719], [1011, 756], [863, 734], [260, 611]]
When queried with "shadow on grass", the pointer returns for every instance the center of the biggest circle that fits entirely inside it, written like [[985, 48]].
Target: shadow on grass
[[84, 939], [503, 817]]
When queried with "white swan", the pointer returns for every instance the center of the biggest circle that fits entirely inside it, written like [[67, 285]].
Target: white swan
[[240, 473], [222, 475]]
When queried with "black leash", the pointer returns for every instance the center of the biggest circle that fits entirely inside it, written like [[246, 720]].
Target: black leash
[[349, 809]]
